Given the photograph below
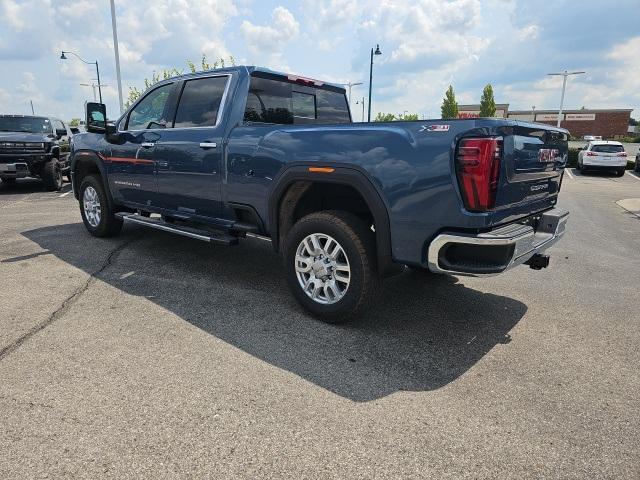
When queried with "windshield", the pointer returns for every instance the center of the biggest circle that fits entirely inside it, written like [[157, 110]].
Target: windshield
[[25, 124]]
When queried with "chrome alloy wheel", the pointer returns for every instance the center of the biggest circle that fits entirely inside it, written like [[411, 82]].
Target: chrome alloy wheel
[[91, 205], [322, 268]]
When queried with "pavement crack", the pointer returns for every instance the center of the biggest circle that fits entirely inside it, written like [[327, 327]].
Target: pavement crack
[[67, 302]]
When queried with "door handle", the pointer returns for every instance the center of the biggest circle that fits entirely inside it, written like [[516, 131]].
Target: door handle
[[147, 144], [208, 145]]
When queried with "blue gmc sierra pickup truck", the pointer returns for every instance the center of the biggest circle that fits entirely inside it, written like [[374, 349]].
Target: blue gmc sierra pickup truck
[[222, 154]]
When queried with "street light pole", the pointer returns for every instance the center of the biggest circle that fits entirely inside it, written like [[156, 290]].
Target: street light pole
[[63, 57], [117, 54], [564, 74], [377, 52]]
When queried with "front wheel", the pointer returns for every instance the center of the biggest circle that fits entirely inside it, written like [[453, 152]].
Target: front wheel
[[97, 216], [330, 265], [52, 175]]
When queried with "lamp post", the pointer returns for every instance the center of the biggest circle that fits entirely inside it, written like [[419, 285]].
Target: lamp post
[[117, 55], [93, 86], [362, 103], [349, 85], [377, 52], [63, 57], [564, 74]]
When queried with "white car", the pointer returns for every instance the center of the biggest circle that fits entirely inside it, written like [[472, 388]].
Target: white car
[[603, 155], [590, 138]]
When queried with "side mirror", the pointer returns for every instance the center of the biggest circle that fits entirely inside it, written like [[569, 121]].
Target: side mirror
[[96, 117], [60, 132]]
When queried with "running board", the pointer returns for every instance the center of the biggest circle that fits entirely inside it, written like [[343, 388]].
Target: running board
[[198, 234]]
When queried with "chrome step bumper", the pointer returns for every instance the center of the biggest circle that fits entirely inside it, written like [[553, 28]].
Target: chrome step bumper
[[494, 252]]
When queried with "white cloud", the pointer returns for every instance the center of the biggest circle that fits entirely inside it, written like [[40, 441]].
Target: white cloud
[[269, 41]]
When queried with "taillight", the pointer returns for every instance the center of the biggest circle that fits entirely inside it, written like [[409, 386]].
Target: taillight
[[591, 154], [623, 154], [478, 169]]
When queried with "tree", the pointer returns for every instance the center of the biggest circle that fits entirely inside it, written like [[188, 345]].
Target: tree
[[390, 117], [408, 117], [487, 103], [384, 117], [633, 122], [135, 93], [449, 106], [74, 122]]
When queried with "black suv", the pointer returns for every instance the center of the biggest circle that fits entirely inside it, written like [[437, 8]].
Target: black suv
[[33, 146]]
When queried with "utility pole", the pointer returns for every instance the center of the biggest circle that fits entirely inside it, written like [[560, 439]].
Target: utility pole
[[117, 54], [32, 111], [564, 74]]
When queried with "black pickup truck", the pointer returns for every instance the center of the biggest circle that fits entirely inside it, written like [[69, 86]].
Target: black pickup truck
[[227, 153], [32, 146]]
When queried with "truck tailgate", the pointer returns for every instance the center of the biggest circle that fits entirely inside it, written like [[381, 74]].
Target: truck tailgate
[[532, 166]]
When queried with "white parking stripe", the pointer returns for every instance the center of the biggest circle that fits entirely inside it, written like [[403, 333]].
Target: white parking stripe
[[64, 194], [568, 170], [633, 175]]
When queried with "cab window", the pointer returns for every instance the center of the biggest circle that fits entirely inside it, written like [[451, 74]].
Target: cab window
[[150, 111], [200, 102]]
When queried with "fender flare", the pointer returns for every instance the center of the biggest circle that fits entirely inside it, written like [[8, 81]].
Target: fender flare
[[96, 159], [341, 175]]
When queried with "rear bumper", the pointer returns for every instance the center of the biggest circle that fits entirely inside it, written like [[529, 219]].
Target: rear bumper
[[622, 162], [498, 250]]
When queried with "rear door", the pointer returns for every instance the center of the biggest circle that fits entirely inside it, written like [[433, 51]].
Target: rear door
[[189, 155], [130, 164], [533, 164]]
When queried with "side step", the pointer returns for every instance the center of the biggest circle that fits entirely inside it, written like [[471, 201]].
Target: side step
[[198, 234]]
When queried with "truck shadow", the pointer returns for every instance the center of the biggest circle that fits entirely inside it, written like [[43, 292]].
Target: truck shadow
[[423, 334]]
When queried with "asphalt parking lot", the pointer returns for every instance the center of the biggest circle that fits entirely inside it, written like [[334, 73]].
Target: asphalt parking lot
[[153, 356]]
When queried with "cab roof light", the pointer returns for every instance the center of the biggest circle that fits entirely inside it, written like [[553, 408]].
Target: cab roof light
[[322, 169]]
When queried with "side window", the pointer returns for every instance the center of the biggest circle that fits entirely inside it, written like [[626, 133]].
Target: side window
[[269, 101], [59, 128], [150, 109], [200, 102], [332, 107]]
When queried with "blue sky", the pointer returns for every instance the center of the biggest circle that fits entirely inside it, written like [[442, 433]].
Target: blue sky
[[426, 45]]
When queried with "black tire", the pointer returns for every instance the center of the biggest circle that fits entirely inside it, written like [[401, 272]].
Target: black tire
[[8, 180], [578, 166], [620, 172], [358, 244], [52, 175], [109, 225]]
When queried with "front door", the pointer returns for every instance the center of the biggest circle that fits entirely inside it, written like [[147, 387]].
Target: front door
[[189, 155], [130, 162]]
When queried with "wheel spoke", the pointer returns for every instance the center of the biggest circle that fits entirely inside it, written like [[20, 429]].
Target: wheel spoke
[[303, 264]]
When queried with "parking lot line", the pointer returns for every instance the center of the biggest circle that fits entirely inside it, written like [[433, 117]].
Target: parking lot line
[[568, 170], [633, 175]]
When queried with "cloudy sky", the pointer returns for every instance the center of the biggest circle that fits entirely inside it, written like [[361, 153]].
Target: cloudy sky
[[426, 45]]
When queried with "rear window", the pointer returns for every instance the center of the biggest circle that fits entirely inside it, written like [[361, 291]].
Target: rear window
[[282, 102], [607, 148]]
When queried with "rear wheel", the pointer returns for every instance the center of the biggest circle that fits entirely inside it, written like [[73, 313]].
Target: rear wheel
[[52, 175], [620, 172], [97, 216], [330, 265]]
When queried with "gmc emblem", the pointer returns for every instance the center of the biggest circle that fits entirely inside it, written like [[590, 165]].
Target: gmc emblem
[[548, 155]]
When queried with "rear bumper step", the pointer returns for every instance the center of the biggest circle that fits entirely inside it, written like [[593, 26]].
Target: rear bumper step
[[198, 234], [494, 252]]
